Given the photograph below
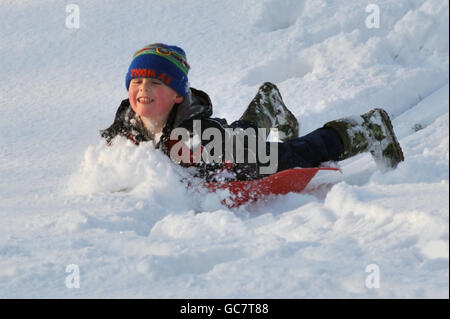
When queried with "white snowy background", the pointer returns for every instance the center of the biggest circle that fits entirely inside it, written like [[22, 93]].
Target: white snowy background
[[60, 198]]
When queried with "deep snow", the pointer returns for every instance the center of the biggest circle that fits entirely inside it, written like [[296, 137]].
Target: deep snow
[[122, 216]]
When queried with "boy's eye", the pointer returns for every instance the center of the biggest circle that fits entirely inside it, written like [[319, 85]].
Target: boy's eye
[[139, 81]]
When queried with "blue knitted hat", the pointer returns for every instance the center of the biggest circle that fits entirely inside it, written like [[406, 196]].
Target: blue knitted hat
[[166, 63]]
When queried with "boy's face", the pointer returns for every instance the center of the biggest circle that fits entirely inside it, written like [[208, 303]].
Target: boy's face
[[152, 99]]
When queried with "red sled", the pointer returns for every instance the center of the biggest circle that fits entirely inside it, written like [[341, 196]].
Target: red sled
[[287, 181]]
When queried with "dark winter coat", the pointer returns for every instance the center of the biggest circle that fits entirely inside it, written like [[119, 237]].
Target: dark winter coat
[[308, 151], [196, 107]]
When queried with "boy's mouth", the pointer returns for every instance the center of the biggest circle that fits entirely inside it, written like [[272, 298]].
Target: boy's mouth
[[145, 100]]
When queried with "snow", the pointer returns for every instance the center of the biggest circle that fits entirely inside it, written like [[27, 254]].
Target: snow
[[121, 214]]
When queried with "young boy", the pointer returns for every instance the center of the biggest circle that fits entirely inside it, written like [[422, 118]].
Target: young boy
[[161, 100]]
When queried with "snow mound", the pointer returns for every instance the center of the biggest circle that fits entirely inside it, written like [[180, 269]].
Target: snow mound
[[123, 167]]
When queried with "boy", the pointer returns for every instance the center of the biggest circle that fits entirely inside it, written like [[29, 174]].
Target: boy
[[161, 100]]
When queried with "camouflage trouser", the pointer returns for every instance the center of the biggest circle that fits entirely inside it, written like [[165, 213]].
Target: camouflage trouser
[[268, 111]]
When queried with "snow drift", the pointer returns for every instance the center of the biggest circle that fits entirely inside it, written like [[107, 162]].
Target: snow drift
[[121, 214]]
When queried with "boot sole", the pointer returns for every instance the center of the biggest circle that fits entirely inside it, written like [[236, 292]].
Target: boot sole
[[267, 118], [397, 150]]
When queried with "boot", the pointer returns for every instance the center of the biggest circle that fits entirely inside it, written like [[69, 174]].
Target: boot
[[267, 110], [371, 132]]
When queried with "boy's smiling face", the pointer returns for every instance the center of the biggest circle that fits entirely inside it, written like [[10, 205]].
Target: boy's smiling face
[[152, 99]]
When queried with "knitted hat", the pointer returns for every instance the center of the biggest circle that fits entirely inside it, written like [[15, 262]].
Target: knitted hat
[[166, 63]]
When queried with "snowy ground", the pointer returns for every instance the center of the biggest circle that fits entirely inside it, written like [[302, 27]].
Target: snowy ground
[[372, 235]]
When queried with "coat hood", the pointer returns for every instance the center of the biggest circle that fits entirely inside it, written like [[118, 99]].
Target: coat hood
[[195, 106]]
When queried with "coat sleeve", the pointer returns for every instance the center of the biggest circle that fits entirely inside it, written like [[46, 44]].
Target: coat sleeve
[[119, 125], [208, 151], [125, 125]]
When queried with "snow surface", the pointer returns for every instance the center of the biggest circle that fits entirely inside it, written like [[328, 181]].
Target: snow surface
[[122, 215]]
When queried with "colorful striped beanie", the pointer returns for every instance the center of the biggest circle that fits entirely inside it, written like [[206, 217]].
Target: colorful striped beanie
[[166, 63]]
